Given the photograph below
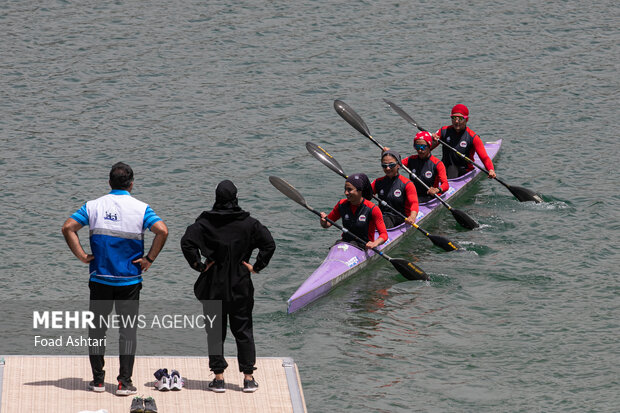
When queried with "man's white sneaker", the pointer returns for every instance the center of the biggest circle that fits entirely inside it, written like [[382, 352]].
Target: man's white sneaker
[[163, 380], [176, 381]]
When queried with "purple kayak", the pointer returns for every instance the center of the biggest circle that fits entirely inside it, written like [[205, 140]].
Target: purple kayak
[[344, 260]]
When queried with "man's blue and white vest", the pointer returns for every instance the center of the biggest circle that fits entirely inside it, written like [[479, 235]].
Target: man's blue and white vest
[[117, 223]]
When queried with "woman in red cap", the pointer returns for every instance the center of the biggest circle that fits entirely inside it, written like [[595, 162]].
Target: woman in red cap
[[428, 168], [359, 215], [465, 141], [396, 190]]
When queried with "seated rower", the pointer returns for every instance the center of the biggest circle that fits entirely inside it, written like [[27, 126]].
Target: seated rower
[[428, 168], [398, 191], [465, 141], [359, 215]]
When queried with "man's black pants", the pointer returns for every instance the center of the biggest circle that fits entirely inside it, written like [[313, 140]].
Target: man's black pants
[[126, 300]]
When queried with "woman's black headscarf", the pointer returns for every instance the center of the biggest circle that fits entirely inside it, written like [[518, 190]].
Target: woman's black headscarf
[[226, 196], [361, 183]]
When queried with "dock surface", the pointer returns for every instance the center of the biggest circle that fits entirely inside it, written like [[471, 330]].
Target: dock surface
[[60, 384]]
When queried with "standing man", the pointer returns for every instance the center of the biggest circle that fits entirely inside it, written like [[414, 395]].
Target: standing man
[[117, 223], [464, 140], [226, 237]]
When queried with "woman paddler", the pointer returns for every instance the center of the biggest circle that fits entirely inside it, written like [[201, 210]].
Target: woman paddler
[[428, 168], [398, 191], [359, 215], [464, 140]]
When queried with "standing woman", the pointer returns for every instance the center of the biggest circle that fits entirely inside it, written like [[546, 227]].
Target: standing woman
[[460, 137], [428, 168], [359, 215], [398, 191], [227, 236]]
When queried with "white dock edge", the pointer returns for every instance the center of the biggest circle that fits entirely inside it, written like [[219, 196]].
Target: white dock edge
[[297, 398], [1, 375]]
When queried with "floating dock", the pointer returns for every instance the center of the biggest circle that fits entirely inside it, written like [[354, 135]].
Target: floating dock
[[59, 384]]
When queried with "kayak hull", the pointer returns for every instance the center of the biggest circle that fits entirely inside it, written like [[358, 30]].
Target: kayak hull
[[344, 260]]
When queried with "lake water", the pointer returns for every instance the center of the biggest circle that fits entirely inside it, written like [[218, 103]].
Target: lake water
[[190, 93]]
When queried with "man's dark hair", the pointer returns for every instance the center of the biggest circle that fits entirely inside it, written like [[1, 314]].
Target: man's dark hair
[[121, 176]]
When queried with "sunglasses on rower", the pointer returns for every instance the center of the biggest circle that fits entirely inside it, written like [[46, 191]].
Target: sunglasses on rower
[[389, 165], [458, 118], [420, 147]]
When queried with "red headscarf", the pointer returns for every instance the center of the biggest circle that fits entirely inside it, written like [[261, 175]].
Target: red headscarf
[[462, 109], [426, 136]]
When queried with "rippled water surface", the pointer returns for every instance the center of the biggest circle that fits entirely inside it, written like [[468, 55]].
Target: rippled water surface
[[190, 93]]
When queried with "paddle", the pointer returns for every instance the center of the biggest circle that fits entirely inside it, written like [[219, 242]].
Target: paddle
[[407, 269], [522, 194], [356, 121], [329, 161]]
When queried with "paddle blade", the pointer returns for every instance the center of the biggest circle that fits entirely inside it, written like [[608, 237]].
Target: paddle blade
[[351, 117], [463, 219], [325, 158], [288, 190], [524, 194], [442, 242], [403, 114], [409, 270]]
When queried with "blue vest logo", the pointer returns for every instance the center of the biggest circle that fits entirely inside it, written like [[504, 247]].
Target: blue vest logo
[[111, 215]]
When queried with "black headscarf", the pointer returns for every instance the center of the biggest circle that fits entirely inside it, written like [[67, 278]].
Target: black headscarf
[[361, 183], [226, 197]]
